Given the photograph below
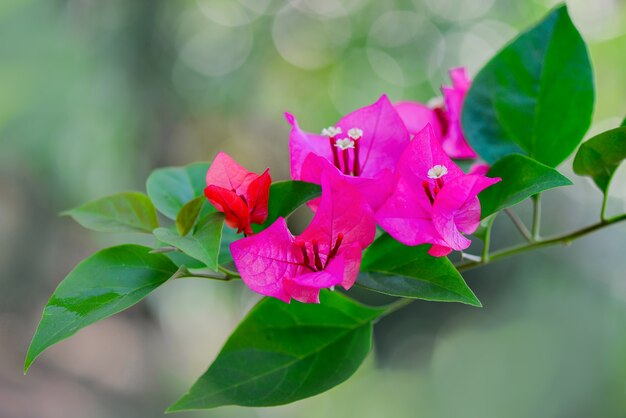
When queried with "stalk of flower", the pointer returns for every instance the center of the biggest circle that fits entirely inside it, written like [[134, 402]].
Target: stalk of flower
[[444, 208], [240, 194], [328, 253]]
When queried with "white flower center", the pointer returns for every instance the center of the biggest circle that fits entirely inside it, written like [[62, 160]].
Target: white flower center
[[331, 131], [437, 172], [436, 102], [344, 143], [355, 133]]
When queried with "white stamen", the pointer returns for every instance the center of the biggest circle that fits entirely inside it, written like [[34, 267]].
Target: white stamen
[[355, 133], [331, 131], [344, 143], [437, 172], [436, 102]]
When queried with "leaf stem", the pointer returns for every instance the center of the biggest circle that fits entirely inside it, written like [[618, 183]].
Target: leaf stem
[[536, 217], [184, 273], [230, 273], [605, 201], [519, 224]]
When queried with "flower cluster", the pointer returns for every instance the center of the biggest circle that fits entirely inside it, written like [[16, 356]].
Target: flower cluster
[[384, 164]]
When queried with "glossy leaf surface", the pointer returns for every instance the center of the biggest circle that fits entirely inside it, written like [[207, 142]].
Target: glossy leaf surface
[[396, 269], [522, 177], [104, 284], [121, 212], [283, 352], [171, 188], [534, 97], [600, 157], [286, 197]]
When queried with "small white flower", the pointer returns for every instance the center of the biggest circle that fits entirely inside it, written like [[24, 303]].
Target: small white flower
[[355, 133], [344, 143], [331, 131], [437, 172], [436, 102]]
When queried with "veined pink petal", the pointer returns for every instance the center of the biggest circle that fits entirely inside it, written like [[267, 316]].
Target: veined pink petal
[[454, 142], [406, 215], [302, 144], [384, 135], [424, 153], [257, 197], [439, 250], [375, 189], [342, 210], [225, 172], [351, 255], [457, 209], [266, 258], [417, 115], [479, 168]]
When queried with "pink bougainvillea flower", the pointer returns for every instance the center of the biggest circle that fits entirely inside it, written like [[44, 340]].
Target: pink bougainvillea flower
[[241, 195], [443, 115], [328, 252], [433, 200], [364, 146]]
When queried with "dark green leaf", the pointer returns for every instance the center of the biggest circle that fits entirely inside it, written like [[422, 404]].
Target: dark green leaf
[[534, 97], [172, 187], [203, 243], [281, 353], [188, 215], [396, 269], [600, 157], [623, 122], [121, 212], [522, 177], [287, 196], [104, 284]]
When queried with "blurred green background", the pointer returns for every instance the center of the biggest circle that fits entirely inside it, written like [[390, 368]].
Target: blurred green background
[[96, 94]]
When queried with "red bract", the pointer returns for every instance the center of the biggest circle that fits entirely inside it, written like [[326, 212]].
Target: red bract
[[328, 253], [240, 194], [444, 116], [364, 147], [433, 200]]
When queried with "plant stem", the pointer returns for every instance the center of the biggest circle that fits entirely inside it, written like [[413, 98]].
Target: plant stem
[[229, 273], [184, 273], [536, 217], [519, 224], [565, 239]]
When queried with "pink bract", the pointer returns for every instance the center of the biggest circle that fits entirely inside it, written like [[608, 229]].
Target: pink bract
[[433, 201], [364, 146], [240, 194], [328, 253], [445, 120]]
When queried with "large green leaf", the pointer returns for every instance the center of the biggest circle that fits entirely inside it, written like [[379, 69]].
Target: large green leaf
[[203, 243], [128, 211], [104, 284], [281, 353], [534, 97], [600, 157], [287, 196], [522, 177], [172, 187], [396, 269]]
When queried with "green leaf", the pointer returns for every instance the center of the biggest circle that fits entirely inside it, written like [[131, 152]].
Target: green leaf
[[281, 353], [534, 97], [104, 284], [600, 157], [396, 269], [522, 177], [623, 122], [229, 235], [188, 215], [203, 243], [286, 197], [172, 187], [121, 212]]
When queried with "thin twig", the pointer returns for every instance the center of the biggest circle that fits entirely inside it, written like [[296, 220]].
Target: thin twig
[[519, 224]]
